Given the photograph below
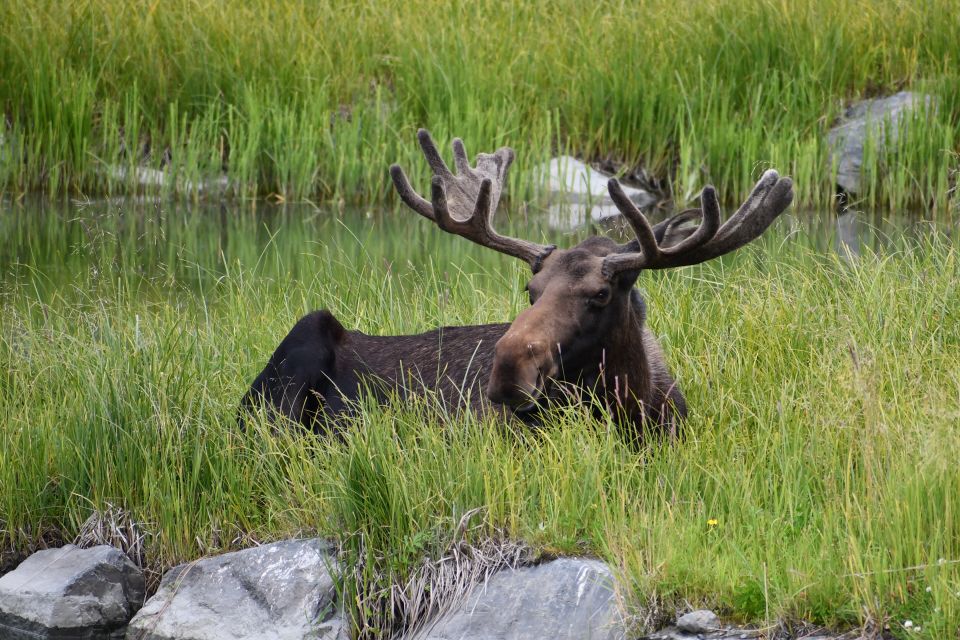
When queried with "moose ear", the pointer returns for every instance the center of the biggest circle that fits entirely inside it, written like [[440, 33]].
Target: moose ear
[[626, 279], [329, 326], [676, 229]]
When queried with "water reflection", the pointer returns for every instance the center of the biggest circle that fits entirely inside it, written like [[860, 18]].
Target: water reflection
[[848, 239], [163, 242], [848, 234]]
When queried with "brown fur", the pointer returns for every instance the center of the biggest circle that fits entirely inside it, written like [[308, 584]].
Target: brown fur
[[563, 348]]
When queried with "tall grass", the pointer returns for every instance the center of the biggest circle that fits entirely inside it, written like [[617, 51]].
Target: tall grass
[[306, 100], [817, 481]]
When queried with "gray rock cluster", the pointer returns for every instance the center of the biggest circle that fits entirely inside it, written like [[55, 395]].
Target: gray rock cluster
[[285, 590], [288, 591], [702, 625], [705, 625]]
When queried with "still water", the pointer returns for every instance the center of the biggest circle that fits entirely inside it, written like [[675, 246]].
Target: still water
[[52, 246]]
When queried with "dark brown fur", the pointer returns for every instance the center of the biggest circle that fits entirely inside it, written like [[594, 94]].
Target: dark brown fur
[[453, 362], [610, 356]]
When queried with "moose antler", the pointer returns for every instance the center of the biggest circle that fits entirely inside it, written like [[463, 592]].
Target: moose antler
[[461, 204], [769, 198]]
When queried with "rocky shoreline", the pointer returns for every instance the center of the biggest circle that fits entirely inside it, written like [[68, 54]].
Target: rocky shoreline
[[288, 590]]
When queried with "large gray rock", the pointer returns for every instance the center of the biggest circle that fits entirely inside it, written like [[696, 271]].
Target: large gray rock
[[281, 591], [880, 119], [70, 593], [578, 194], [566, 598]]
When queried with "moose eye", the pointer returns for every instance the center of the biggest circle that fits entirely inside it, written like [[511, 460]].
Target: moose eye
[[600, 297]]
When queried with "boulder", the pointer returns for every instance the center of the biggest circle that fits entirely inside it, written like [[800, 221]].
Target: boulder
[[284, 590], [565, 598], [699, 621], [881, 119], [70, 593], [578, 193]]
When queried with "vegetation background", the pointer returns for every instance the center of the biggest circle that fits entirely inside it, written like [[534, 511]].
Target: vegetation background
[[314, 99], [818, 479]]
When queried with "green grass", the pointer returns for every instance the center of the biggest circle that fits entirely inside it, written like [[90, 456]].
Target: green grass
[[825, 409], [312, 100]]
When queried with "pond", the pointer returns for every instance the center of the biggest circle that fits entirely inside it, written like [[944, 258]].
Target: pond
[[53, 246]]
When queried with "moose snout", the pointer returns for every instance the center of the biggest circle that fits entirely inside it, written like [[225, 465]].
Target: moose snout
[[521, 369]]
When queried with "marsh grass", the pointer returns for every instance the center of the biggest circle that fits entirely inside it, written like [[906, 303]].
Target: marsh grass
[[312, 101], [817, 479]]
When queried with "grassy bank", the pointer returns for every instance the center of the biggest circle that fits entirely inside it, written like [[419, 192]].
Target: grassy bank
[[313, 100], [818, 480]]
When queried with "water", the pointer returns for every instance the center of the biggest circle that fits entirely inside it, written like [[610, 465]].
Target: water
[[52, 247]]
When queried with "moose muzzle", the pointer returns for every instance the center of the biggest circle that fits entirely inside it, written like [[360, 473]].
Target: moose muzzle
[[523, 365]]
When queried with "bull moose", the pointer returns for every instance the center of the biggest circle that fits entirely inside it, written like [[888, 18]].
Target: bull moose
[[583, 335]]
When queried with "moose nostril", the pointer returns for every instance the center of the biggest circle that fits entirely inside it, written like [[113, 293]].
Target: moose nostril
[[536, 349]]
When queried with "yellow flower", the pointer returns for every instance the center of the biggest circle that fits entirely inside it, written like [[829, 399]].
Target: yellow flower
[[712, 522]]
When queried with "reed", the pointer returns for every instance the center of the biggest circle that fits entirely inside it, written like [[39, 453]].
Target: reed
[[312, 101]]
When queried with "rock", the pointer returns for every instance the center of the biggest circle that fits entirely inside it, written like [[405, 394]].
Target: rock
[[143, 176], [718, 633], [700, 621], [745, 633], [578, 193], [568, 216], [565, 598], [283, 591], [566, 176], [70, 593], [881, 119], [156, 179]]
